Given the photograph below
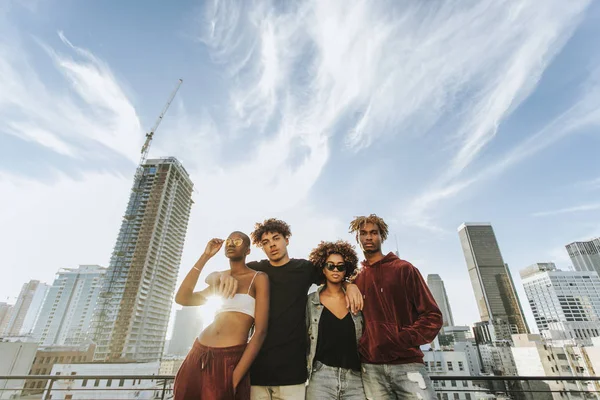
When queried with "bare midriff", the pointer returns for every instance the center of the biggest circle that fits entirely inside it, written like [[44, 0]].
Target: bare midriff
[[228, 329]]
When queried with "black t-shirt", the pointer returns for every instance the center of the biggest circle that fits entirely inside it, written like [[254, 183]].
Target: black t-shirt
[[336, 346], [282, 358]]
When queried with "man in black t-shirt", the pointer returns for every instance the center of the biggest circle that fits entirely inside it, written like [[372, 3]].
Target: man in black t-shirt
[[279, 370]]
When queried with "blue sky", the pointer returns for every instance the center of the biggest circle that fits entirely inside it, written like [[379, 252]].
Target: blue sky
[[429, 114]]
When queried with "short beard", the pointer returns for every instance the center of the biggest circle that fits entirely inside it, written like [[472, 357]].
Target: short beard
[[374, 251]]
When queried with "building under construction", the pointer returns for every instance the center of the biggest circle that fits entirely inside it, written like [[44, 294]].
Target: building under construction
[[133, 309]]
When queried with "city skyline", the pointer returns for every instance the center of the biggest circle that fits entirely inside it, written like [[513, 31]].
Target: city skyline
[[434, 281], [426, 115]]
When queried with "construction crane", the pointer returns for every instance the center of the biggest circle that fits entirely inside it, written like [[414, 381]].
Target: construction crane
[[150, 135], [125, 244]]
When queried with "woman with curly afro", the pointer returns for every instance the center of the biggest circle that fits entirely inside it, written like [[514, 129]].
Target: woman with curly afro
[[333, 331]]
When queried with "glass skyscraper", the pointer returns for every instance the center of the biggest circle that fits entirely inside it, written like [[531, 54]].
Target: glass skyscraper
[[491, 279]]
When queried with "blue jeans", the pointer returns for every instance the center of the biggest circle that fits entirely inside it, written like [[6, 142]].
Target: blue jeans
[[397, 381], [334, 383]]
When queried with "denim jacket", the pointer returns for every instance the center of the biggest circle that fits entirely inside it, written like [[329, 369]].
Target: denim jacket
[[314, 308]]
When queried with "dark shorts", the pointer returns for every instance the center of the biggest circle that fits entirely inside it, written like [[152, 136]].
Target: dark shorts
[[207, 373]]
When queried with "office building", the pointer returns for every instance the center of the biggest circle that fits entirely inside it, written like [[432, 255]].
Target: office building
[[585, 255], [47, 357], [565, 304], [26, 309], [535, 357], [437, 288], [494, 347], [452, 334], [133, 310], [490, 277], [451, 363], [67, 312], [469, 348], [186, 329], [5, 312]]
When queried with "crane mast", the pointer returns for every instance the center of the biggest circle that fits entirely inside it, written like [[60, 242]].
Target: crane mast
[[150, 135]]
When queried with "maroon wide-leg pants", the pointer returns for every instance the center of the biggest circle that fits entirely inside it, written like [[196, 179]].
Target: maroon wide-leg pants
[[207, 374]]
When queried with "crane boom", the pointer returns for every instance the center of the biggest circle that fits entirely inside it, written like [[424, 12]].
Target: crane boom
[[150, 135]]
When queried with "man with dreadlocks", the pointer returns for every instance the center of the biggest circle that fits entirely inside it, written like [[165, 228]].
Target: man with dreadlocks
[[400, 315], [279, 371]]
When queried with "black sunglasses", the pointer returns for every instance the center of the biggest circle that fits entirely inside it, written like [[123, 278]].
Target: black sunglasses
[[331, 266]]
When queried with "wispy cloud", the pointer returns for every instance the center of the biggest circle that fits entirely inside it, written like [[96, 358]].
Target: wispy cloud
[[569, 210], [94, 114], [306, 71], [583, 113], [528, 41], [590, 184]]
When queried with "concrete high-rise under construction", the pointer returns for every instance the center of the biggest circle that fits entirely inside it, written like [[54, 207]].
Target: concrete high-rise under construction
[[134, 306], [491, 280]]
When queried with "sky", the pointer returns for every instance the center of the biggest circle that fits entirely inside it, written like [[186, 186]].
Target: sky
[[429, 114]]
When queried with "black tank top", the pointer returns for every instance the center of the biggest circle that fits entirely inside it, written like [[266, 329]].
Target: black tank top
[[336, 345]]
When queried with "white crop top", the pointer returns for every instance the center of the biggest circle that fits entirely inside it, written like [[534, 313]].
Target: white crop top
[[241, 302]]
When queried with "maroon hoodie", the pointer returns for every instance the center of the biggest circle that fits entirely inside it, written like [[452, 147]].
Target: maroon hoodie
[[400, 312]]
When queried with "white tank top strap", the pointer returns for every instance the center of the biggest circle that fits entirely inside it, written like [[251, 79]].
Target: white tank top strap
[[251, 282]]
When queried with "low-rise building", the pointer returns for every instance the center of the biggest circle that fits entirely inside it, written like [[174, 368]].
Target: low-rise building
[[170, 365], [452, 363], [473, 360], [15, 359], [534, 356], [46, 357], [107, 388]]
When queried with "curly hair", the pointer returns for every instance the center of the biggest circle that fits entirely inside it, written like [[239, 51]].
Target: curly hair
[[359, 222], [271, 225], [318, 256]]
